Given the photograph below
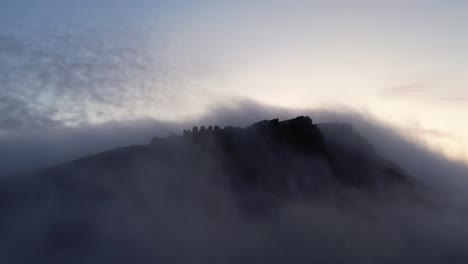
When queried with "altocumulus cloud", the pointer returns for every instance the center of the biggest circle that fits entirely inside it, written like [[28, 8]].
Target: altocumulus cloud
[[86, 75]]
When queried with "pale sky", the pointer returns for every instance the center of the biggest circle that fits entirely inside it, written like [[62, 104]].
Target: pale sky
[[75, 62]]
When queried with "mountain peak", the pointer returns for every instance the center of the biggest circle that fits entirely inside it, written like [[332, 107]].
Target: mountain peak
[[253, 172], [299, 133], [269, 151]]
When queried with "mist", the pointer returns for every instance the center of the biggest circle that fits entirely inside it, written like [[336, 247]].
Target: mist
[[29, 149], [175, 215], [93, 96], [95, 62]]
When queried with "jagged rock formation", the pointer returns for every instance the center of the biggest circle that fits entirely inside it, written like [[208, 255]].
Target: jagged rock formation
[[98, 207], [299, 133], [267, 152], [267, 159]]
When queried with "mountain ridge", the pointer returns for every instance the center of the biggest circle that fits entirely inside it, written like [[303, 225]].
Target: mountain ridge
[[261, 155], [222, 182]]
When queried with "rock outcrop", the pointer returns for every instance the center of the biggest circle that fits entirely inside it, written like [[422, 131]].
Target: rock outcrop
[[205, 181], [291, 156]]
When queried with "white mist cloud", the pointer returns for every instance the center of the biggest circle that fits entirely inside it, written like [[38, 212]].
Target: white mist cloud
[[181, 216], [93, 62]]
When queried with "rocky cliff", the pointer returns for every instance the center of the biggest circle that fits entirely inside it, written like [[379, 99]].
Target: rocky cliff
[[145, 203]]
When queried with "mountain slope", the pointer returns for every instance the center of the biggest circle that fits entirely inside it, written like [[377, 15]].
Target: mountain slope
[[268, 158], [131, 203]]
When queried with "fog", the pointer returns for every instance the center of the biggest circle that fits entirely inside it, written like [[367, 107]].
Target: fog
[[112, 60], [162, 212], [27, 149], [84, 77]]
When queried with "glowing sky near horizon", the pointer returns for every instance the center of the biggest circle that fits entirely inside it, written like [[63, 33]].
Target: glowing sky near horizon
[[72, 62]]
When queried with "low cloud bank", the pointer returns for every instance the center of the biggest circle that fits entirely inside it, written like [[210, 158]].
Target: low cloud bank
[[182, 218], [28, 149]]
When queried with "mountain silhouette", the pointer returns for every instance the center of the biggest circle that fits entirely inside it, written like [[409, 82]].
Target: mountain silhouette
[[252, 170], [264, 161]]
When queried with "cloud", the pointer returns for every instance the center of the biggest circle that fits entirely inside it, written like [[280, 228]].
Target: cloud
[[18, 114], [435, 133], [68, 91], [446, 90], [24, 149], [30, 149], [184, 218], [76, 74]]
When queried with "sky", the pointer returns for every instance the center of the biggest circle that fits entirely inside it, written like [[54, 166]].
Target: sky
[[78, 64]]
